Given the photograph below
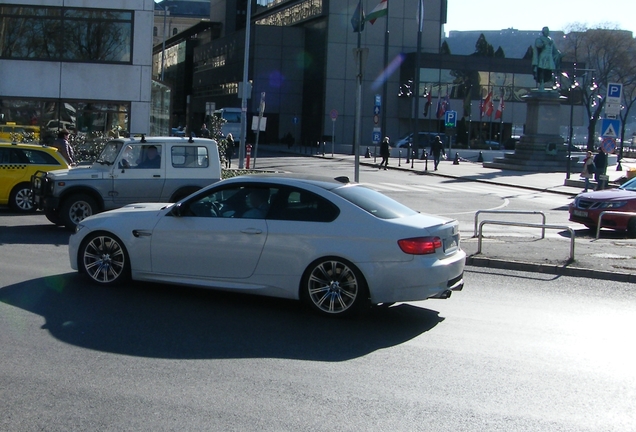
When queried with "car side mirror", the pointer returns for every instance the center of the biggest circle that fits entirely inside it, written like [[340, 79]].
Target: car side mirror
[[177, 210]]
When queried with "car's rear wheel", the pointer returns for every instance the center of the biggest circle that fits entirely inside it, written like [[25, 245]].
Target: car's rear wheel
[[103, 257], [631, 227], [21, 199], [77, 208], [334, 287]]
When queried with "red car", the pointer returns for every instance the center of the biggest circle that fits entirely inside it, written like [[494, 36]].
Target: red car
[[587, 207]]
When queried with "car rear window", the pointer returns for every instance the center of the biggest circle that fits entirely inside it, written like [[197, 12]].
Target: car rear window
[[374, 202]]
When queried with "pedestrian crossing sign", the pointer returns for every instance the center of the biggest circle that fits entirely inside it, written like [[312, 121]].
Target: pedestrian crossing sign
[[610, 128]]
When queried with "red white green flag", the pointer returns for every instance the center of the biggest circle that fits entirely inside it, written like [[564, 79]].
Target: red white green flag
[[379, 11]]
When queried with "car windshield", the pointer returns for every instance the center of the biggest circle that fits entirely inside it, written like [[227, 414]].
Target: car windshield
[[110, 152], [630, 185], [377, 204]]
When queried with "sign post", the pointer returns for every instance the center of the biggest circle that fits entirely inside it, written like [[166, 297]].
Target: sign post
[[377, 133], [334, 116]]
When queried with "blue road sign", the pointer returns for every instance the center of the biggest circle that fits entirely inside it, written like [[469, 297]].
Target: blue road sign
[[450, 118], [610, 128], [376, 137], [614, 90], [376, 110], [378, 100], [608, 145]]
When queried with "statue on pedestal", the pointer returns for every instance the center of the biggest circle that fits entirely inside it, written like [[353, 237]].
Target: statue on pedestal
[[546, 59]]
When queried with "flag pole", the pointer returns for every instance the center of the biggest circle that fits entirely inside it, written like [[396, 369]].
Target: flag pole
[[416, 79], [386, 75], [356, 143]]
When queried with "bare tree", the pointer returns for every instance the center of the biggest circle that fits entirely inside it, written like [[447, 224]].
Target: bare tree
[[604, 52]]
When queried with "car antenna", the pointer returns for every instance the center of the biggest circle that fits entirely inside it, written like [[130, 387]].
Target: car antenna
[[143, 138], [342, 179], [191, 140]]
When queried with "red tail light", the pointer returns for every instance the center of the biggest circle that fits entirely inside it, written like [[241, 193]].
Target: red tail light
[[420, 245]]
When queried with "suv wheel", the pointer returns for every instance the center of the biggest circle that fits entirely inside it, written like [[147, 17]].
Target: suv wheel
[[77, 208], [21, 199]]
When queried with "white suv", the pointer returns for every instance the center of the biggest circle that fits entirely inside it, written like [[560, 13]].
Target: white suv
[[159, 169]]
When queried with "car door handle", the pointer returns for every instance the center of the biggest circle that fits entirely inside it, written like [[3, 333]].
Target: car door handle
[[157, 175], [251, 231]]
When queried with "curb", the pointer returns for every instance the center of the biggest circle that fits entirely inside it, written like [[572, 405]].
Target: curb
[[559, 270]]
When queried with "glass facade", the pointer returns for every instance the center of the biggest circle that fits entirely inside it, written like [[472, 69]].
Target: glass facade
[[66, 34]]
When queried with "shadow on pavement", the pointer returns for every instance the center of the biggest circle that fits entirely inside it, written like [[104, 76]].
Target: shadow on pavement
[[162, 321]]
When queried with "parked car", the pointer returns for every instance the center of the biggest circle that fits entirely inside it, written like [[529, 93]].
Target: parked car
[[11, 132], [588, 206], [18, 162], [126, 172], [337, 246]]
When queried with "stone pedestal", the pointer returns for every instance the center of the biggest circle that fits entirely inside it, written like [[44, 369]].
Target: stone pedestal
[[541, 148]]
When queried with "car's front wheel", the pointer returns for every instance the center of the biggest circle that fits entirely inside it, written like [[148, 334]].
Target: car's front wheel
[[77, 208], [334, 287], [631, 227], [21, 199], [103, 257]]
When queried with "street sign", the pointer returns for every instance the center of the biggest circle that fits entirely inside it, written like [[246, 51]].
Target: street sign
[[612, 110], [333, 114], [377, 100], [376, 136], [608, 145], [614, 93], [295, 120], [376, 119], [450, 119], [610, 128], [376, 110]]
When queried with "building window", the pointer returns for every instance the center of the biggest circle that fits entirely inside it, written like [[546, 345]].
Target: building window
[[155, 31], [66, 34], [175, 31]]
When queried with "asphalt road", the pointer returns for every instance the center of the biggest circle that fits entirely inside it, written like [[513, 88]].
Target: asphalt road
[[513, 351]]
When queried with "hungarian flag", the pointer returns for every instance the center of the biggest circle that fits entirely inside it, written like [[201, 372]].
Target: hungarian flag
[[500, 108], [487, 106], [427, 105], [441, 106], [357, 20], [380, 10]]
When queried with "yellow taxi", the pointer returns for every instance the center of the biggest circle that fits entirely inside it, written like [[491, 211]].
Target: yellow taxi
[[19, 133], [18, 162]]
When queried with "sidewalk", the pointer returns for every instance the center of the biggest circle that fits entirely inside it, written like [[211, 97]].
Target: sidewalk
[[611, 257]]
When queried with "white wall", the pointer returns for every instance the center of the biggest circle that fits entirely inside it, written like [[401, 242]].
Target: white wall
[[90, 81]]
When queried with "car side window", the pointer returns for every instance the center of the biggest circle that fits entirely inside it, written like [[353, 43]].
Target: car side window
[[190, 156], [37, 157], [301, 205]]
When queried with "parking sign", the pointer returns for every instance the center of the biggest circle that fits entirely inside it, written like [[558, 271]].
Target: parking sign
[[614, 93], [450, 119]]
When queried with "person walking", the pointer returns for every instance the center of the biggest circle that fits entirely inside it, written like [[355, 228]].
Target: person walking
[[64, 147], [385, 152], [600, 161], [205, 132], [229, 150], [437, 150], [588, 169]]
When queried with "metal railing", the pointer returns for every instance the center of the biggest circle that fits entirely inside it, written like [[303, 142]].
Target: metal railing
[[478, 212], [530, 225], [613, 213]]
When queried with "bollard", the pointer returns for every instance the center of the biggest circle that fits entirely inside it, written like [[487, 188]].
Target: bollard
[[248, 154], [367, 154], [456, 160], [480, 158]]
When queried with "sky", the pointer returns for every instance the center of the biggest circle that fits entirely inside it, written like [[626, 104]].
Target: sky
[[534, 15]]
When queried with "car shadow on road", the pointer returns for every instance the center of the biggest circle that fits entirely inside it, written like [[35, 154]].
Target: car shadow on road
[[34, 235], [165, 321]]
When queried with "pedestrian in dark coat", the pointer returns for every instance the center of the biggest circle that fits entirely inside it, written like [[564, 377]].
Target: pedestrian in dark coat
[[437, 150], [385, 152], [600, 162]]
